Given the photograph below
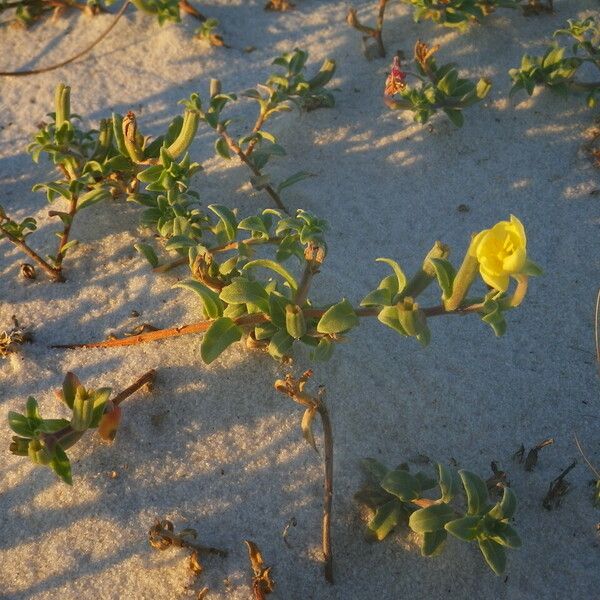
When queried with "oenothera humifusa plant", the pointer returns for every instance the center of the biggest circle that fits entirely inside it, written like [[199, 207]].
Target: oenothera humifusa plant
[[117, 161], [558, 69], [27, 12], [400, 497], [436, 88], [275, 313], [46, 441]]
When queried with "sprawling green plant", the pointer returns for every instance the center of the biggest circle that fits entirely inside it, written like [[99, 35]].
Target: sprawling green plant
[[46, 441], [117, 161], [397, 497], [275, 313], [558, 68], [437, 88]]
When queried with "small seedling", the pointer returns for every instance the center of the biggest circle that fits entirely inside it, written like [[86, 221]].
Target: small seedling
[[559, 69], [436, 88], [262, 582], [396, 497], [45, 441]]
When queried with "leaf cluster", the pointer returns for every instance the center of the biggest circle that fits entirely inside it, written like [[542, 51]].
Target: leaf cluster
[[559, 66], [45, 441], [462, 509], [456, 13], [437, 88]]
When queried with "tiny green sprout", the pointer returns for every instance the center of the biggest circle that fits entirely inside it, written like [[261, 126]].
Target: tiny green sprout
[[46, 441], [266, 302], [559, 67], [401, 497], [437, 88]]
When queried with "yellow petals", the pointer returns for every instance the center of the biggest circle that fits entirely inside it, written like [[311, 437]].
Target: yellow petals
[[501, 252]]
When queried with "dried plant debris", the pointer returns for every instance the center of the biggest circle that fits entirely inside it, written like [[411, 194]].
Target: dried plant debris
[[498, 481], [11, 338], [558, 488], [595, 482], [162, 535], [532, 455], [279, 5], [262, 582]]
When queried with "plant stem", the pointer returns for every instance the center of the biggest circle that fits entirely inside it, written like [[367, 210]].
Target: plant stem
[[246, 321], [64, 238], [310, 270], [260, 121], [328, 494], [53, 273], [234, 147], [146, 378]]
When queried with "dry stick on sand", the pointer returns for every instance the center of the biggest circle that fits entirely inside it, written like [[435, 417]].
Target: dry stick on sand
[[375, 33], [244, 321], [294, 388], [73, 58]]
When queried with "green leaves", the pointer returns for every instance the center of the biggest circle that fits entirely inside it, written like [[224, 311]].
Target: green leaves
[[396, 495], [437, 87], [212, 307], [476, 491], [338, 319], [402, 484], [221, 334], [431, 518], [246, 291]]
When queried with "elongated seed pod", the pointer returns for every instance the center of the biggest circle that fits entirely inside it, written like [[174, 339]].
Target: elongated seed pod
[[130, 138], [62, 104], [186, 136]]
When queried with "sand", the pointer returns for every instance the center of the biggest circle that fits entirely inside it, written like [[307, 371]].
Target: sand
[[216, 448]]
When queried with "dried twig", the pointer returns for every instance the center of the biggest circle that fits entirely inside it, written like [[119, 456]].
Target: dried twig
[[558, 488], [262, 582], [294, 388], [370, 32]]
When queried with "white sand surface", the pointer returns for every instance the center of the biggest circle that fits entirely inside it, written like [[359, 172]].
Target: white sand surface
[[216, 448]]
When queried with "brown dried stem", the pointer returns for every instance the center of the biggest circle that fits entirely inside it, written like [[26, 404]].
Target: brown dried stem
[[244, 321], [373, 32]]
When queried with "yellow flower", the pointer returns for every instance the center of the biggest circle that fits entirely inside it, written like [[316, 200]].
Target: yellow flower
[[501, 251]]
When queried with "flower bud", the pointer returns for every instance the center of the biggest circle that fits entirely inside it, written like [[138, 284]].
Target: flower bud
[[19, 446], [83, 410], [109, 423], [62, 104], [38, 453], [186, 136], [295, 323], [215, 87], [411, 317], [130, 138]]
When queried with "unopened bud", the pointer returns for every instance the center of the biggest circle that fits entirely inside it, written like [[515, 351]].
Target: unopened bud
[[295, 323], [109, 423]]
